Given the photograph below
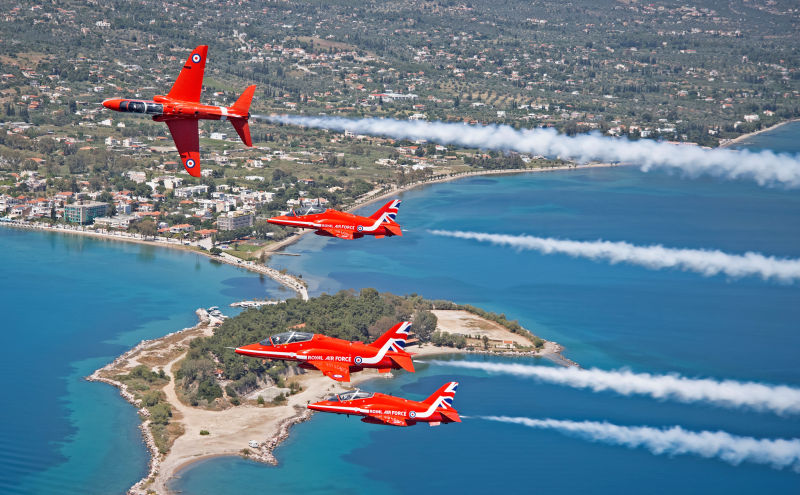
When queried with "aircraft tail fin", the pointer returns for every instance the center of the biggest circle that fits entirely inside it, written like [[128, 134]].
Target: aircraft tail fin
[[394, 339], [242, 105], [444, 397], [189, 84], [388, 214]]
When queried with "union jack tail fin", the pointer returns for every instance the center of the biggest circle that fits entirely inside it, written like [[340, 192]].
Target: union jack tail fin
[[189, 83], [444, 395], [443, 400], [394, 339], [388, 213]]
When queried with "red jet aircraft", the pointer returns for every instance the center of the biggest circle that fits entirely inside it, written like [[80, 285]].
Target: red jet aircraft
[[336, 358], [344, 225], [388, 410], [181, 109]]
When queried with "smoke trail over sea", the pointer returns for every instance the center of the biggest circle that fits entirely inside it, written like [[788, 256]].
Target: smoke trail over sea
[[702, 261], [778, 453], [780, 399], [765, 167]]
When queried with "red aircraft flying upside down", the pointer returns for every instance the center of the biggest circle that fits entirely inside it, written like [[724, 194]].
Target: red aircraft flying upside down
[[336, 358], [344, 225], [181, 109], [388, 410]]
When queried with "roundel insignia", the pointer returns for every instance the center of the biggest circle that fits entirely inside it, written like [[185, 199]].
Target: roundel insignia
[[196, 58], [358, 360], [412, 414], [190, 163], [360, 228]]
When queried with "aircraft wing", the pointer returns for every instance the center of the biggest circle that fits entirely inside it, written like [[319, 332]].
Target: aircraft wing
[[387, 419], [190, 81], [338, 371], [187, 140], [340, 233]]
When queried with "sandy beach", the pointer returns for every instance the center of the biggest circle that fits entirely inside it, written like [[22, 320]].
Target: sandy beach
[[230, 430], [741, 138]]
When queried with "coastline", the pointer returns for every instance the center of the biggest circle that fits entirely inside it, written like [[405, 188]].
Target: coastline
[[284, 279], [754, 133], [395, 190], [231, 429], [272, 424], [287, 280], [408, 187]]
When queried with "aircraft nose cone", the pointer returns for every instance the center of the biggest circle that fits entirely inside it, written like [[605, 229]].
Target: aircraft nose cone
[[244, 349], [112, 104]]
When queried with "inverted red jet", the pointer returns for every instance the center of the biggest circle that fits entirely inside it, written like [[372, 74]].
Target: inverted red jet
[[336, 358], [389, 410], [334, 223], [181, 109]]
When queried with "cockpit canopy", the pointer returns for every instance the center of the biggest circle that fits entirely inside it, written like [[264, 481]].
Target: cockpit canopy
[[306, 210], [352, 395], [287, 338], [141, 107]]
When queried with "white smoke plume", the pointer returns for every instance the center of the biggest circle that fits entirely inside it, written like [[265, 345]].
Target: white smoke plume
[[765, 167], [778, 453], [703, 261], [780, 399]]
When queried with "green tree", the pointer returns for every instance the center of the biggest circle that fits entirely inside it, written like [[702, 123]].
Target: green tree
[[425, 324]]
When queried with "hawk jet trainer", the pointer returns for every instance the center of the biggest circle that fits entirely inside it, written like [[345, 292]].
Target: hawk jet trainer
[[333, 223], [180, 109], [394, 411], [336, 358]]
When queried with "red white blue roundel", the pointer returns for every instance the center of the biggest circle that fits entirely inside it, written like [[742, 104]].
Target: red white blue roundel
[[412, 414], [360, 228], [358, 360], [196, 58], [190, 163]]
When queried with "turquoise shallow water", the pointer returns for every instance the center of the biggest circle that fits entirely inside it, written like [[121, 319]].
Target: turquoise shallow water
[[608, 316], [71, 304]]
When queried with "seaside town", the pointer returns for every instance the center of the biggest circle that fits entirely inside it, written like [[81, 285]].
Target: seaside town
[[640, 71], [699, 75]]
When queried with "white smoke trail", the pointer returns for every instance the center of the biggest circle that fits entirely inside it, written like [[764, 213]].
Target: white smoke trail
[[765, 167], [703, 261], [778, 453], [780, 399]]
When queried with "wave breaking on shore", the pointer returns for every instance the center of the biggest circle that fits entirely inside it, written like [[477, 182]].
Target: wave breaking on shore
[[765, 167], [778, 453], [779, 399], [706, 262]]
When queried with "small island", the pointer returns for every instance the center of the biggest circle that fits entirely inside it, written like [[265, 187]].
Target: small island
[[198, 399]]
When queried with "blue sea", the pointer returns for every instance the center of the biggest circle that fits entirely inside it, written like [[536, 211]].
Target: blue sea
[[75, 303], [607, 316], [70, 305]]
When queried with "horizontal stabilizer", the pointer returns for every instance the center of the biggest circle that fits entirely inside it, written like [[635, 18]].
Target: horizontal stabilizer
[[393, 228], [452, 415], [243, 130], [404, 362]]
